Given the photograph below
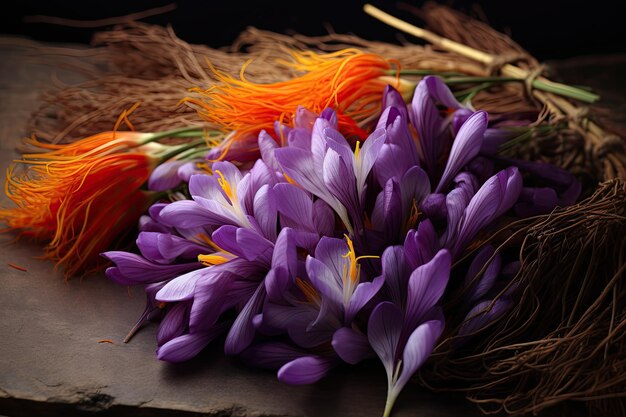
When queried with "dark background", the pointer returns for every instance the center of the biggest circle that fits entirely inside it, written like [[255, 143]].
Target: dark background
[[547, 29]]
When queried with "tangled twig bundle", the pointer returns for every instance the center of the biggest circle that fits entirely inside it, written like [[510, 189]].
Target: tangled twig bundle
[[564, 339]]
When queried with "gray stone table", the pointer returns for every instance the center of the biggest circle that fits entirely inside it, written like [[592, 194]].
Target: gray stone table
[[52, 364]]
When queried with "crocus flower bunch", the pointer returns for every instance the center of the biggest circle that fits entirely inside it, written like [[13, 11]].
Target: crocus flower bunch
[[324, 252]]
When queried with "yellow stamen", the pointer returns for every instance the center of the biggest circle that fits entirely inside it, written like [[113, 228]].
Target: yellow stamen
[[225, 186], [353, 269], [309, 292], [290, 180], [212, 259], [357, 149], [415, 213]]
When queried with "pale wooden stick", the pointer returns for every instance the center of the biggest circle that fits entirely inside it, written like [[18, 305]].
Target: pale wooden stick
[[558, 105]]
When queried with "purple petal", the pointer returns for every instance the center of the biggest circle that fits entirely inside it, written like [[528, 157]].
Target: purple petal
[[393, 98], [323, 218], [383, 332], [324, 280], [295, 206], [480, 285], [243, 242], [352, 346], [133, 269], [481, 315], [165, 247], [536, 201], [304, 118], [242, 331], [331, 252], [187, 346], [494, 198], [267, 146], [396, 273], [421, 245], [426, 286], [305, 370], [182, 287], [188, 214], [339, 179], [174, 323], [465, 147], [265, 212], [440, 92], [363, 293], [418, 348], [270, 355], [165, 176]]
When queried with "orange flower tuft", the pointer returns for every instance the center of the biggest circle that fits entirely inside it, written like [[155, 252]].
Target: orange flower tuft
[[80, 197], [349, 81]]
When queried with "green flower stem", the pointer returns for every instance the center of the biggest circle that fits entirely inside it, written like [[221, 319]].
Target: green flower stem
[[577, 93], [177, 150]]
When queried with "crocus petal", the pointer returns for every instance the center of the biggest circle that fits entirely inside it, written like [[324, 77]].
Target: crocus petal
[[300, 166], [393, 98], [494, 198], [367, 156], [418, 348], [187, 214], [187, 346], [426, 286], [440, 92], [481, 315], [182, 287], [267, 145], [383, 332], [425, 117], [480, 285], [340, 181], [270, 355], [165, 247], [352, 346], [210, 300], [295, 320], [536, 201], [324, 280], [174, 323], [165, 176], [189, 168], [295, 206], [323, 218], [465, 147], [305, 370], [363, 293], [133, 269], [304, 118], [243, 242], [421, 245], [265, 212], [331, 252], [396, 273], [242, 331]]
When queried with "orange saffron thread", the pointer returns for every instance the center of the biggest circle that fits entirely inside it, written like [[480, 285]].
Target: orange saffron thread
[[349, 80], [80, 197], [19, 268]]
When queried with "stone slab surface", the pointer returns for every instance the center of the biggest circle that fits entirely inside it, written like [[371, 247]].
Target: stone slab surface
[[53, 364]]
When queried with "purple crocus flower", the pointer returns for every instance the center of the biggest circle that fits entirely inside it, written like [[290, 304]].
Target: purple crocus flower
[[494, 198], [432, 128], [331, 170], [403, 336]]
